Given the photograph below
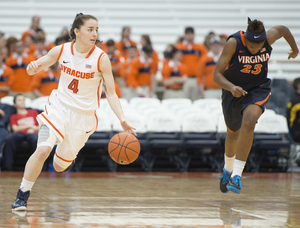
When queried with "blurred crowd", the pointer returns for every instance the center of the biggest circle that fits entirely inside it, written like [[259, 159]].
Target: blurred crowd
[[187, 67]]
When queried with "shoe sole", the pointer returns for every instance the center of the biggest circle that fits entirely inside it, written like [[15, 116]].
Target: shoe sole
[[19, 209], [233, 189]]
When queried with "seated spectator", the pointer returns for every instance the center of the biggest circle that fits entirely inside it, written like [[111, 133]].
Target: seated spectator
[[18, 62], [174, 75], [141, 75], [5, 112], [125, 42], [206, 67], [45, 81], [293, 112], [145, 41], [210, 35], [28, 44], [24, 127], [6, 77]]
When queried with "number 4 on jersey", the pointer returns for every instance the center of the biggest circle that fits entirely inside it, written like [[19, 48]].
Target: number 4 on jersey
[[73, 86]]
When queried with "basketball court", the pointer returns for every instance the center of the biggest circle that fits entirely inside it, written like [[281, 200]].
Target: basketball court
[[164, 200]]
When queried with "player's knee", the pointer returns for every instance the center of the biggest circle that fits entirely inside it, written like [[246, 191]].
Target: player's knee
[[249, 123], [43, 152], [58, 168], [232, 136]]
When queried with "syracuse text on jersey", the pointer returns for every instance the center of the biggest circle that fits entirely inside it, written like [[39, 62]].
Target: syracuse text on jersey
[[77, 73]]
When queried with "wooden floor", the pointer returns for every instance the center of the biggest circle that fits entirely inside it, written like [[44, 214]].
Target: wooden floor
[[148, 200]]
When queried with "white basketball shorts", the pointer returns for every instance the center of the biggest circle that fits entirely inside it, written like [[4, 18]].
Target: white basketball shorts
[[71, 129]]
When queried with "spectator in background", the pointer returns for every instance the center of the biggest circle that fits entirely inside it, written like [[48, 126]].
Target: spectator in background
[[174, 75], [125, 42], [40, 48], [18, 62], [141, 75], [293, 112], [11, 45], [192, 52], [179, 40], [61, 40], [116, 61], [206, 67], [64, 32], [3, 46], [126, 66], [6, 77], [35, 24], [40, 35], [168, 53], [223, 38], [28, 44], [145, 41], [24, 126], [5, 112], [207, 39], [45, 81]]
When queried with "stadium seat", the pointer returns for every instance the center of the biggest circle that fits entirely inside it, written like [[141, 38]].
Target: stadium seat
[[135, 102], [199, 135], [39, 103], [168, 103]]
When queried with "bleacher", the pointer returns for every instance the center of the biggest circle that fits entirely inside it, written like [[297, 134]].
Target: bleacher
[[176, 135], [163, 20], [191, 148]]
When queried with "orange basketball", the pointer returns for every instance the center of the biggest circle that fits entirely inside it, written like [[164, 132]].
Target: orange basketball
[[124, 148]]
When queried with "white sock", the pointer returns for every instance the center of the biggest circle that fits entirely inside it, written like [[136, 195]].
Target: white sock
[[238, 167], [229, 161], [26, 185]]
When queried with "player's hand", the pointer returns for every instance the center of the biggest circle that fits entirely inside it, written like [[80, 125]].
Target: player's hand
[[30, 131], [293, 54], [140, 91], [2, 113], [33, 66], [127, 127], [238, 91]]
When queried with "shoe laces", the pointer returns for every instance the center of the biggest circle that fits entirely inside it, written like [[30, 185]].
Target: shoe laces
[[225, 176], [236, 180], [23, 195]]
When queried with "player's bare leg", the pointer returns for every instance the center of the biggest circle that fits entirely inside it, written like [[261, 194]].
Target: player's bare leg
[[33, 169], [229, 157], [243, 145]]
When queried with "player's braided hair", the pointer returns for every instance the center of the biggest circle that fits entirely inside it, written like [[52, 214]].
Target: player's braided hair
[[78, 22]]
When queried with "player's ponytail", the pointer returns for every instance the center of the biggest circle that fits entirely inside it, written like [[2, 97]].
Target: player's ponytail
[[79, 20]]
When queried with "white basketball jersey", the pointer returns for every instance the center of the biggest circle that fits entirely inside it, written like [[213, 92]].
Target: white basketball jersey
[[80, 83]]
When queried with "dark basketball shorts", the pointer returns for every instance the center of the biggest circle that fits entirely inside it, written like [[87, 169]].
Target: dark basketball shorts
[[233, 107]]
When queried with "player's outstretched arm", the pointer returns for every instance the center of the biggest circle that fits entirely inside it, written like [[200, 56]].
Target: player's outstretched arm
[[226, 55], [112, 98], [279, 31], [44, 62]]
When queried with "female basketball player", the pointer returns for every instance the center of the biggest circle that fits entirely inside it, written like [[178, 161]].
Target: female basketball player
[[242, 73], [70, 115]]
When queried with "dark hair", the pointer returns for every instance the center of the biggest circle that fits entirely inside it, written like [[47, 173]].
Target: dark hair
[[110, 43], [39, 40], [147, 39], [174, 51], [124, 27], [296, 84], [147, 49], [78, 22], [256, 26], [189, 30], [17, 95]]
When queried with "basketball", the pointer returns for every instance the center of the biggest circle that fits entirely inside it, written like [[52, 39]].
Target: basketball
[[124, 148]]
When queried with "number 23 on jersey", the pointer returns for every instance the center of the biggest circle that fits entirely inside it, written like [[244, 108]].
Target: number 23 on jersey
[[255, 70]]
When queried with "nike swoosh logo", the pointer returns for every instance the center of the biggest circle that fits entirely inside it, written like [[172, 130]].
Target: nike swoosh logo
[[241, 51], [88, 131], [256, 37], [65, 61]]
